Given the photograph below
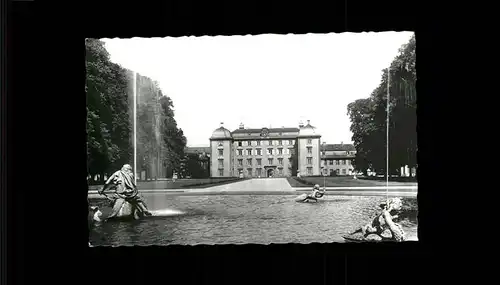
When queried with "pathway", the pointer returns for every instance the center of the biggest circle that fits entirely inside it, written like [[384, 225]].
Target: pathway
[[256, 184]]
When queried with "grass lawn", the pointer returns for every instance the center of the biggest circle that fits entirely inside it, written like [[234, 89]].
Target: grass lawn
[[180, 183], [339, 181]]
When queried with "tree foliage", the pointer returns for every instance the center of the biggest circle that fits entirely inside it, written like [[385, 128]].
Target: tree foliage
[[368, 117], [294, 159], [110, 143]]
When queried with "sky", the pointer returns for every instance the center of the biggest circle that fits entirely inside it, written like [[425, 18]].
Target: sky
[[262, 81]]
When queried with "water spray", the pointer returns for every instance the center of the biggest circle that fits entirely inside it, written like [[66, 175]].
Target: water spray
[[387, 136], [135, 126]]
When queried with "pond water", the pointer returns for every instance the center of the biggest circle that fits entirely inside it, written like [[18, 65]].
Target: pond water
[[238, 219]]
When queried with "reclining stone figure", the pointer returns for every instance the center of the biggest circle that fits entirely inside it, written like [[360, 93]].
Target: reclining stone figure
[[383, 227], [124, 192]]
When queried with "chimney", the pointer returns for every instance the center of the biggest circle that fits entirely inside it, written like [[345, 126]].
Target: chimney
[[242, 126], [341, 142], [222, 124], [301, 124], [308, 122]]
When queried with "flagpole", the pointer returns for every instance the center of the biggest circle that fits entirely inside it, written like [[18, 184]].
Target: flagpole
[[135, 127], [387, 137]]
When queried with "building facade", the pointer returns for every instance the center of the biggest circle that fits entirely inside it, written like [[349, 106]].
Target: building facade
[[265, 152], [337, 159]]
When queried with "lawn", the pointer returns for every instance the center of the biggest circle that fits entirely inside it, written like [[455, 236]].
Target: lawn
[[339, 181], [180, 183]]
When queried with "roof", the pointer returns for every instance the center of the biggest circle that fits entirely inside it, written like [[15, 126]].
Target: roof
[[271, 130], [338, 147], [197, 149], [221, 133], [308, 130]]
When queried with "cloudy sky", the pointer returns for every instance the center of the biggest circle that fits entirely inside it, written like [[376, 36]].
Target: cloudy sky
[[262, 81]]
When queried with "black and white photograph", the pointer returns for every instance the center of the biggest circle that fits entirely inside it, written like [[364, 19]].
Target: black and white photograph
[[256, 139]]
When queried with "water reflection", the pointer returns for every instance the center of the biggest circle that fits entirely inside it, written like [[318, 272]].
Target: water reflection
[[243, 219]]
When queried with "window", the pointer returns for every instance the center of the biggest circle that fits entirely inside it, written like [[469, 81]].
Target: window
[[331, 172], [309, 160], [258, 142], [280, 161], [270, 151], [287, 151], [309, 150], [249, 162], [280, 171], [330, 162], [270, 160], [280, 142], [221, 172], [240, 144], [290, 142], [337, 162], [343, 161], [221, 152], [337, 171], [259, 172], [309, 171], [221, 163], [309, 141], [259, 151], [249, 152], [240, 152], [249, 170], [240, 162], [259, 161], [348, 162], [343, 171], [280, 151]]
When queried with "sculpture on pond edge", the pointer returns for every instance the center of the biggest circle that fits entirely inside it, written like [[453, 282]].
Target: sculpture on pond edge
[[382, 228], [126, 200]]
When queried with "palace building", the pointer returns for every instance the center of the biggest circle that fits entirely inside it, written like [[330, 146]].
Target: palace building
[[265, 152], [337, 159]]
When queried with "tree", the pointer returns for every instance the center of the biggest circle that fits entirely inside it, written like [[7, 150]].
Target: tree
[[368, 118], [361, 113], [294, 159], [108, 125], [160, 143]]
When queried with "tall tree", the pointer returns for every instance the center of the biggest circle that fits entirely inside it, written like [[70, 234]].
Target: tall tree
[[294, 159], [108, 124], [160, 143], [368, 117]]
